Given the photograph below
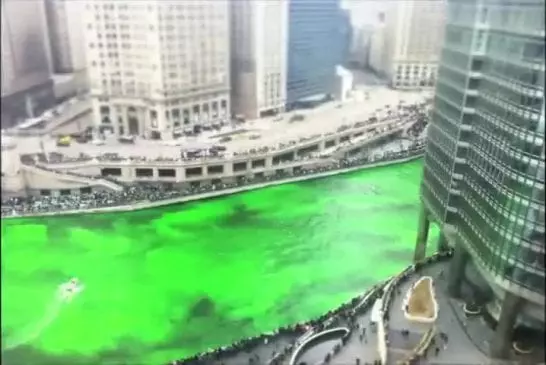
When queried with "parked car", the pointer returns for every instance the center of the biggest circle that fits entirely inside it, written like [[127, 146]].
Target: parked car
[[64, 141], [127, 139], [297, 118]]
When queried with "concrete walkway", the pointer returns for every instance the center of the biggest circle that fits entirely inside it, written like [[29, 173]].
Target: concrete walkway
[[461, 346], [258, 355], [459, 349], [217, 193]]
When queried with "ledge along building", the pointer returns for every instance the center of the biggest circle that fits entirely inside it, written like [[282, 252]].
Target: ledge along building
[[483, 179]]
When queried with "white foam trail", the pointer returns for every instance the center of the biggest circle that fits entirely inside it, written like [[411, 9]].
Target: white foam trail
[[34, 330]]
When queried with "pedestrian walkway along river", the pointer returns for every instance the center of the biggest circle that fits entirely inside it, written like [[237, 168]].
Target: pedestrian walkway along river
[[168, 282]]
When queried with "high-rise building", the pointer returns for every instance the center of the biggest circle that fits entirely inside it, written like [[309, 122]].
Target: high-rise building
[[411, 38], [360, 47], [259, 36], [346, 36], [377, 56], [483, 179], [27, 88], [64, 19], [156, 66], [315, 48]]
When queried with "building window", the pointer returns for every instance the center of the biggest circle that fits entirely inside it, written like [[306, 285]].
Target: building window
[[85, 190]]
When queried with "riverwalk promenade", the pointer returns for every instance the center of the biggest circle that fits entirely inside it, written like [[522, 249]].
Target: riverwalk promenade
[[220, 192], [372, 329]]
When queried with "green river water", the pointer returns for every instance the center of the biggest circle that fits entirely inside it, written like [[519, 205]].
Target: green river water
[[168, 282]]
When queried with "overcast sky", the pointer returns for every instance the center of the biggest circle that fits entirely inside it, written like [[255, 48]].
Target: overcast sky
[[365, 11]]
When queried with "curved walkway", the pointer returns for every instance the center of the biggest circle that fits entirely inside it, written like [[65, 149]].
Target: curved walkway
[[459, 348], [306, 345], [449, 340]]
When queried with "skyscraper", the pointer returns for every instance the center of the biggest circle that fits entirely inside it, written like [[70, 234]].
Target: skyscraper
[[315, 47], [259, 30], [378, 51], [483, 179], [156, 66], [360, 45], [412, 37], [27, 88], [346, 36], [65, 28]]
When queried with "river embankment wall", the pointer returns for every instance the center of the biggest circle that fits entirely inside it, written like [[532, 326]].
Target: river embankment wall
[[216, 193]]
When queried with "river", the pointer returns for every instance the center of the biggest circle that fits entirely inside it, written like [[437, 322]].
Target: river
[[168, 282]]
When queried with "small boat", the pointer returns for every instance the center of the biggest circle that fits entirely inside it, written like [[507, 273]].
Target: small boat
[[68, 290]]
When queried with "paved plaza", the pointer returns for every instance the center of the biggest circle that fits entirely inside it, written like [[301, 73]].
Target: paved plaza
[[467, 338]]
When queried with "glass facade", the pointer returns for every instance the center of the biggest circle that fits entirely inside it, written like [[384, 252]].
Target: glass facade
[[346, 35], [484, 164], [315, 47]]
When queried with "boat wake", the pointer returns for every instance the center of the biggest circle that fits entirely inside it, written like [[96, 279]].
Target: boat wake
[[63, 296]]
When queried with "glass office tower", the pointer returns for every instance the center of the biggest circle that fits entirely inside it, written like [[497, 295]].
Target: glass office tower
[[315, 48], [483, 179]]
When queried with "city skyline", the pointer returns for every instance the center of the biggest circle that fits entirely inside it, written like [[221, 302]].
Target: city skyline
[[225, 127]]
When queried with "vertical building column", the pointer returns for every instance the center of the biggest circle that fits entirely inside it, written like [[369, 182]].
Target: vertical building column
[[500, 345], [95, 107], [228, 168], [422, 235], [442, 244], [147, 122], [127, 173], [180, 174], [161, 119], [456, 271], [322, 145], [126, 117], [122, 120], [142, 113]]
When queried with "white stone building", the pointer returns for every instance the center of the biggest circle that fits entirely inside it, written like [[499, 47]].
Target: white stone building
[[156, 66], [258, 56], [411, 40]]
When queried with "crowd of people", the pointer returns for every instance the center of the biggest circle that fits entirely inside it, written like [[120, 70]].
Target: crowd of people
[[136, 194], [394, 285], [419, 126], [345, 316]]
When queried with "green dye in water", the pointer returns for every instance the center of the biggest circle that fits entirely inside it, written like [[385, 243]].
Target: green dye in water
[[166, 283]]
